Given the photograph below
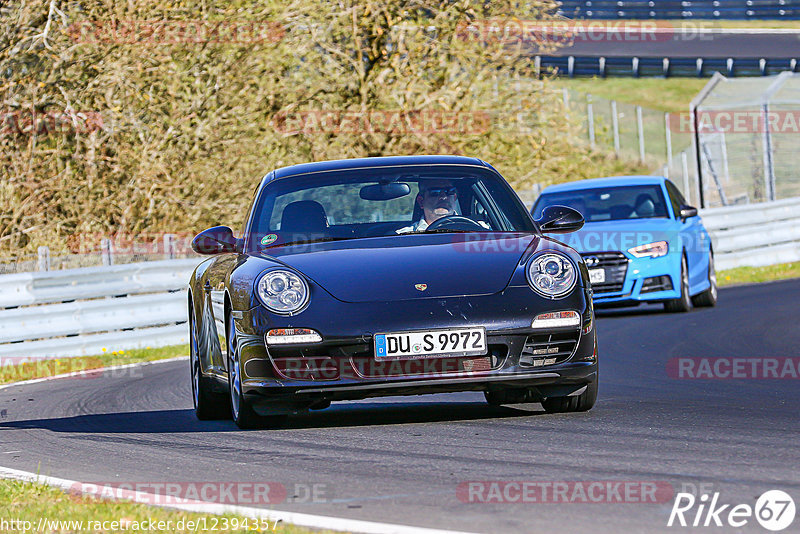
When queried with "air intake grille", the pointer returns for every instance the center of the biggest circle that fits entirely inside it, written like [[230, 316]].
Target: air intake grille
[[548, 348], [615, 265]]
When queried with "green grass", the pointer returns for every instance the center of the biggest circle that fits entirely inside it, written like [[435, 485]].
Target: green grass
[[57, 366], [663, 94], [29, 502], [752, 275], [730, 24]]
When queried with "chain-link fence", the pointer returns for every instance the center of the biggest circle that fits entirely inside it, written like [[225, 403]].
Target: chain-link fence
[[747, 134], [636, 133]]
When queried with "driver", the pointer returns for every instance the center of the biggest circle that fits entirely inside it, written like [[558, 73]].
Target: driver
[[437, 198]]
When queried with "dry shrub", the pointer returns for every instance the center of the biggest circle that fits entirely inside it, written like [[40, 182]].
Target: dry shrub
[[111, 130]]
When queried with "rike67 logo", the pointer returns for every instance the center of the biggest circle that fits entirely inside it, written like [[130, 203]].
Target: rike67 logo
[[774, 510]]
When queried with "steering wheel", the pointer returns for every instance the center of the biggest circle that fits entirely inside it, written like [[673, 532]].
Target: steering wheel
[[455, 222]]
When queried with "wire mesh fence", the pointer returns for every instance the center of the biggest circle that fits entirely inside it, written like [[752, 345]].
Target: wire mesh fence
[[748, 137]]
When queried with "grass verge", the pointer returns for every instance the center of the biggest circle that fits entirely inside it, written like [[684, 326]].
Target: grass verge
[[29, 502], [671, 95], [752, 275], [16, 371]]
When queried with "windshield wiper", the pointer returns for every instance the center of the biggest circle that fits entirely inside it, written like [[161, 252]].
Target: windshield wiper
[[447, 231]]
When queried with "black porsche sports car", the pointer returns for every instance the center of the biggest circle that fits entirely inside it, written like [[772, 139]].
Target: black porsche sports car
[[389, 276]]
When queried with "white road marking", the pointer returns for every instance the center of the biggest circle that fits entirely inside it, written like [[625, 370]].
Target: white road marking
[[300, 519], [92, 371]]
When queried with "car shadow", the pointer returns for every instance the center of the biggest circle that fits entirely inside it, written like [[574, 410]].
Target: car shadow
[[342, 415], [629, 311]]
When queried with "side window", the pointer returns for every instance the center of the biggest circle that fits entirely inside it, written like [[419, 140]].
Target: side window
[[675, 198]]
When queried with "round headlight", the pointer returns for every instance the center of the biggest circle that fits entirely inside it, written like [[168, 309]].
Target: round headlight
[[552, 274], [282, 291]]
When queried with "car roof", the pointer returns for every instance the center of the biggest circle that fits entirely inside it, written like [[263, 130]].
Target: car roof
[[610, 181], [358, 163]]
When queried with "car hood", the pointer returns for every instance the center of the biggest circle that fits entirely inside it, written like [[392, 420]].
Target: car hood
[[620, 235], [417, 266]]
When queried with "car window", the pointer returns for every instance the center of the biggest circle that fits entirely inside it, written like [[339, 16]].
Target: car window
[[609, 203], [338, 204]]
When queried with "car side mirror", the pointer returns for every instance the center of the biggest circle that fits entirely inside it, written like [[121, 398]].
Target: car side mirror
[[216, 240], [560, 220], [687, 211]]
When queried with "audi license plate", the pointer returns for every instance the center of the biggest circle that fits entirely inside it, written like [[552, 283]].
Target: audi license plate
[[597, 276], [450, 342]]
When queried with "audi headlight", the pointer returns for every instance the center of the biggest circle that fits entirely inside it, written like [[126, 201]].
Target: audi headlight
[[552, 274], [282, 291], [652, 250]]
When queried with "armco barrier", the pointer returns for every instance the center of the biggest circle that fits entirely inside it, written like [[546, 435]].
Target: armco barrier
[[82, 311], [754, 234], [77, 312]]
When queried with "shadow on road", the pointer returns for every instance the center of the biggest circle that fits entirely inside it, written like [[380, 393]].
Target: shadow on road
[[342, 415]]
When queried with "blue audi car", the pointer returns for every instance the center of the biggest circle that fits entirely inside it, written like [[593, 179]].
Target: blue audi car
[[641, 241]]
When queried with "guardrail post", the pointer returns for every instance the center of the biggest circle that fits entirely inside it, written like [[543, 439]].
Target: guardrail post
[[169, 246], [590, 117], [615, 126], [668, 137], [640, 127], [107, 251], [44, 259]]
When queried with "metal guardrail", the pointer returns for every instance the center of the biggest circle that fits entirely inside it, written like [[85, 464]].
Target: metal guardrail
[[83, 311], [575, 66], [754, 234], [681, 9]]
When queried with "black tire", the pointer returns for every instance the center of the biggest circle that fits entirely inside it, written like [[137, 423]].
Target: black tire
[[208, 405], [684, 302], [241, 411], [575, 403], [708, 298]]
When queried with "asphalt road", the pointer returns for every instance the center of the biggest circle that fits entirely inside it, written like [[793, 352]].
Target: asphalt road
[[698, 43], [401, 460]]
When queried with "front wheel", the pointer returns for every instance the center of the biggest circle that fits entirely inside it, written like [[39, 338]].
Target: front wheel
[[575, 403], [683, 303], [708, 297], [242, 411]]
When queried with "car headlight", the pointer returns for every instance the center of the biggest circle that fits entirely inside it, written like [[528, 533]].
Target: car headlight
[[552, 274], [651, 250], [282, 291]]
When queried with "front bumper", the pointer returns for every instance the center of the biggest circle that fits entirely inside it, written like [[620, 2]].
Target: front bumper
[[646, 280], [342, 367]]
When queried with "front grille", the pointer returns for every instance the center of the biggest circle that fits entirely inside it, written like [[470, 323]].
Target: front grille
[[656, 283], [615, 265], [548, 348]]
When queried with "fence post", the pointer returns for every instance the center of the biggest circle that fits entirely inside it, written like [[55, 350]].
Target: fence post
[[615, 126], [685, 169], [769, 168], [590, 117], [169, 246], [107, 251], [640, 127], [44, 259], [668, 136]]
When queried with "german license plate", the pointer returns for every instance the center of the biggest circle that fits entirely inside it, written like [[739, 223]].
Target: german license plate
[[442, 343], [597, 276]]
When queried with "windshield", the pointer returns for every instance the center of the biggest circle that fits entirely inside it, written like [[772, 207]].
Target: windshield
[[609, 203], [386, 201]]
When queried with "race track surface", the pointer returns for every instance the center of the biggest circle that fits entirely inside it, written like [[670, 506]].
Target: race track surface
[[689, 44], [401, 460]]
